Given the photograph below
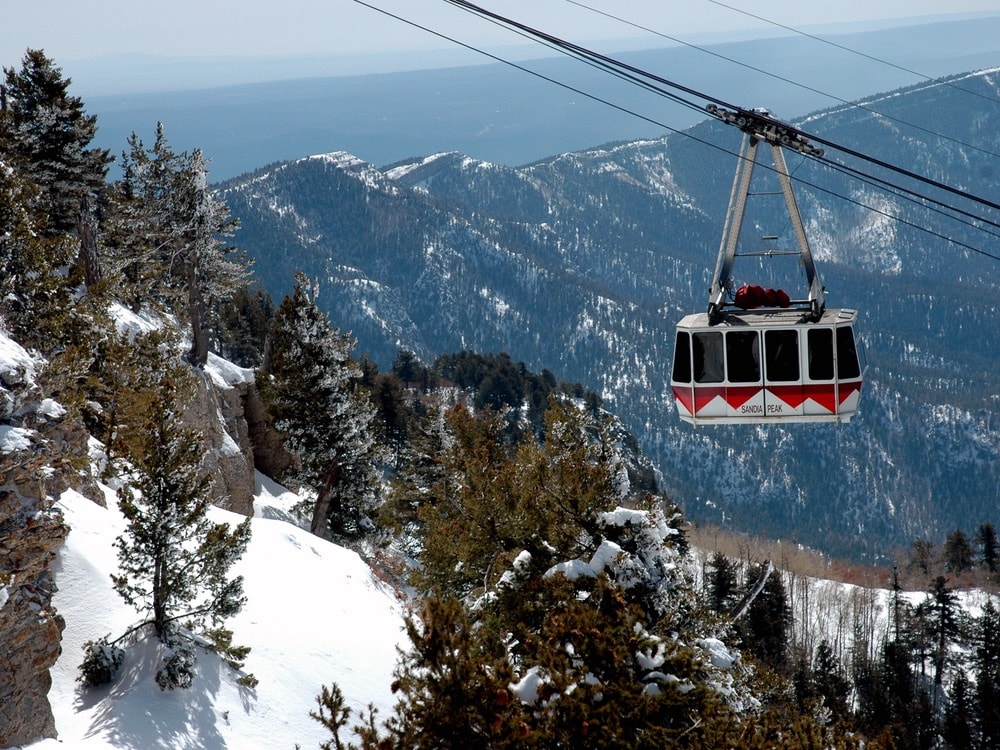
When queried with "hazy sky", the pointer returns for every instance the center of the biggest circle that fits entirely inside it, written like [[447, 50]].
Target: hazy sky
[[71, 31]]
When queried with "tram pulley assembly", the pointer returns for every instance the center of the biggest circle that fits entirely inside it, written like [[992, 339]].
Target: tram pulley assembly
[[757, 126]]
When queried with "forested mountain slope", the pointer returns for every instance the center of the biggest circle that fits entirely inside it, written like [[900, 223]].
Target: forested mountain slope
[[582, 263]]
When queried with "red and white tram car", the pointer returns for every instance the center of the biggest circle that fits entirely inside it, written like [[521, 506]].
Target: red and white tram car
[[767, 366], [756, 356]]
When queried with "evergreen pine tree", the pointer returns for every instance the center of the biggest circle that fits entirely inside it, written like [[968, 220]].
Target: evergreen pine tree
[[722, 585], [419, 471], [552, 615], [242, 326], [958, 553], [174, 563], [409, 370], [959, 715], [453, 686], [922, 556], [829, 682], [493, 500], [986, 671], [394, 414], [45, 132], [37, 291], [944, 628], [764, 628], [168, 235], [310, 385], [989, 547], [507, 528], [900, 696], [34, 290]]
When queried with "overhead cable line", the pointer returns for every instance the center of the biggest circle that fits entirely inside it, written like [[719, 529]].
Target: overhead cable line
[[653, 121], [922, 202], [760, 125], [542, 76], [846, 48], [588, 58], [578, 51], [777, 77], [899, 219]]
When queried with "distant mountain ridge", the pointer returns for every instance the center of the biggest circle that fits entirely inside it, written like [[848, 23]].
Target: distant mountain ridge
[[582, 263], [493, 112]]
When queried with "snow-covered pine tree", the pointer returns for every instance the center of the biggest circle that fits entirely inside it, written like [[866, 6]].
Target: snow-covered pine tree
[[167, 237], [213, 272], [554, 616], [419, 473], [45, 132], [310, 384], [174, 563], [36, 292], [242, 326], [578, 626], [28, 288]]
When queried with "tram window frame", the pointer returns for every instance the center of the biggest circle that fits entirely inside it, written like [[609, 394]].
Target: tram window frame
[[820, 353], [782, 365], [848, 364], [743, 357], [709, 361], [682, 358]]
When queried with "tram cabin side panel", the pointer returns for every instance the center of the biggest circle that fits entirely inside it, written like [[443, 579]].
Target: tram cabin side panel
[[761, 373]]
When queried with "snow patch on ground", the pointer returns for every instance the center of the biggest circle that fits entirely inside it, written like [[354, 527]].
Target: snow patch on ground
[[134, 323], [17, 366], [225, 374], [315, 615]]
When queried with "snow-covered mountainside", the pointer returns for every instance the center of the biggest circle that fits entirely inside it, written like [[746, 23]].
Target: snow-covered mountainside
[[315, 614], [583, 262]]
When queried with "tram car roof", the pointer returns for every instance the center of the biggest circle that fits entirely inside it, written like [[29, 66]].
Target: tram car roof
[[767, 319]]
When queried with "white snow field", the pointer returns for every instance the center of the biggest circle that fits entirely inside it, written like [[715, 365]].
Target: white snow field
[[315, 615]]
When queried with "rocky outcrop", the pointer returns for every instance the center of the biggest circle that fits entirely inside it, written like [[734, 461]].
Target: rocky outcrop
[[216, 410], [270, 455], [30, 629], [31, 531], [43, 451], [228, 411]]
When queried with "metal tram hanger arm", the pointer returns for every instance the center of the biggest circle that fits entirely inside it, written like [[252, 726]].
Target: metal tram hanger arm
[[758, 125]]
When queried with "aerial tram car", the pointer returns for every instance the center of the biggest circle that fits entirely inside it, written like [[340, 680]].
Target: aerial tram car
[[758, 356]]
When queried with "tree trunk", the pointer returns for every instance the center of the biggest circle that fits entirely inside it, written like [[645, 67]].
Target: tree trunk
[[743, 606], [324, 502], [198, 312], [86, 233], [159, 597]]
